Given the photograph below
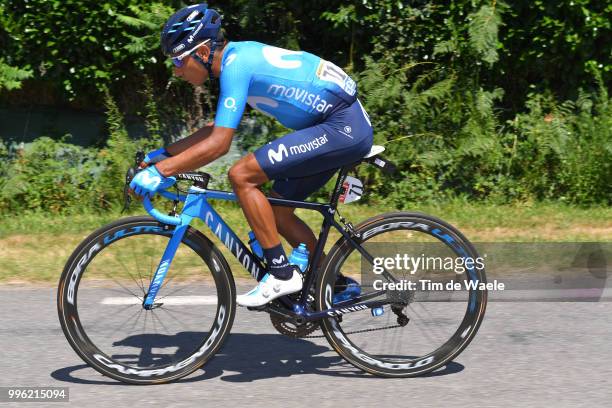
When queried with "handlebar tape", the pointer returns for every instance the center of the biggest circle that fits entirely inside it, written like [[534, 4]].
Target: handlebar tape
[[159, 216]]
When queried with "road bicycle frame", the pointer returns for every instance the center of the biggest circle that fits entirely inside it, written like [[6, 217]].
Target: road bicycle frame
[[197, 206]]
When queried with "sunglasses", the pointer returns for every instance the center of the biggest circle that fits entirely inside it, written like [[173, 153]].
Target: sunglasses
[[179, 60]]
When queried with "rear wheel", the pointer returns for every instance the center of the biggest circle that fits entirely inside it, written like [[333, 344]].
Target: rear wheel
[[101, 292], [421, 327]]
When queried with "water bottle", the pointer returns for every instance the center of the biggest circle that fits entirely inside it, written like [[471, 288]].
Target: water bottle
[[255, 246], [299, 257]]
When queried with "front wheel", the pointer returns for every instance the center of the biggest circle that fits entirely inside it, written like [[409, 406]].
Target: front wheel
[[100, 302], [422, 325]]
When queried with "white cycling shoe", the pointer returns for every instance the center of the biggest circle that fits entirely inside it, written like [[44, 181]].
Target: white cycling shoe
[[269, 288]]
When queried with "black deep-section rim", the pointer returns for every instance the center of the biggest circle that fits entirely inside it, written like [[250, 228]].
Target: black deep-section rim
[[447, 351], [82, 345]]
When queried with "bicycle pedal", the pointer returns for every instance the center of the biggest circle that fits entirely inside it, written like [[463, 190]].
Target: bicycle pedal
[[377, 311]]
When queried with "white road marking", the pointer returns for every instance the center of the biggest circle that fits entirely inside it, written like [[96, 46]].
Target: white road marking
[[170, 300]]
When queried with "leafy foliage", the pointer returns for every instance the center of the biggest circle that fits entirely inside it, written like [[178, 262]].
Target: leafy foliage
[[12, 77], [58, 177], [145, 22], [483, 27], [50, 176], [479, 99], [440, 123]]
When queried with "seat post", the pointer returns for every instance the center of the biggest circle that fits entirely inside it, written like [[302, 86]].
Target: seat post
[[342, 173]]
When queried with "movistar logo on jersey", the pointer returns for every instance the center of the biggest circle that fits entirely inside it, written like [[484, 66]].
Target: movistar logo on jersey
[[282, 151], [306, 147], [277, 156], [301, 95]]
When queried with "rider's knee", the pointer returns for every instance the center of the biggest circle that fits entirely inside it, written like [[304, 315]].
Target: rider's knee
[[235, 176], [239, 175]]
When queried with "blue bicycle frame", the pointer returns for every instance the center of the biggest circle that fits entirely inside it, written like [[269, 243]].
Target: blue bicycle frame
[[197, 206]]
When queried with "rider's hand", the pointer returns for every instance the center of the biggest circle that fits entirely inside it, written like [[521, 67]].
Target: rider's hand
[[149, 181], [154, 157]]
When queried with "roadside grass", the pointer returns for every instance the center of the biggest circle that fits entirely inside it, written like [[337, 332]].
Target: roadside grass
[[34, 247]]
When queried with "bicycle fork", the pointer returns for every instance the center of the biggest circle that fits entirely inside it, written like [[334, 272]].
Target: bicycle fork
[[166, 261]]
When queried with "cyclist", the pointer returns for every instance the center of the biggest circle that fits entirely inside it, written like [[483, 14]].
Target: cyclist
[[314, 97]]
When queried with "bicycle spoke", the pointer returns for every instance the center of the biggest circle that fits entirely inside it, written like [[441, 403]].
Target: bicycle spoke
[[154, 315], [135, 322], [151, 268], [153, 321], [180, 289], [186, 313], [132, 277], [430, 316], [144, 327], [126, 289], [137, 266], [172, 315], [134, 315], [165, 284]]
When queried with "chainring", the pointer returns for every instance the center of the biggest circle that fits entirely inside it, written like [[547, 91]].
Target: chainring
[[289, 328]]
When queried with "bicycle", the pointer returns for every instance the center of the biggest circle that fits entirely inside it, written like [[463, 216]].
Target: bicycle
[[368, 330]]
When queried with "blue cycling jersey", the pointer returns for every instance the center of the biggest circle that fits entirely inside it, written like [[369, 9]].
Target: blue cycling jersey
[[297, 88]]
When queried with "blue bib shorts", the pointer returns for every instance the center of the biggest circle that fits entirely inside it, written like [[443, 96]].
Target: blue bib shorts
[[303, 161]]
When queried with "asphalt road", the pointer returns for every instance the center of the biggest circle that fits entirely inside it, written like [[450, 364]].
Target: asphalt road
[[525, 354]]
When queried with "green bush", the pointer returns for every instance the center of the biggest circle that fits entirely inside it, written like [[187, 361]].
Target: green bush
[[477, 99], [553, 151], [51, 176], [58, 177], [564, 151]]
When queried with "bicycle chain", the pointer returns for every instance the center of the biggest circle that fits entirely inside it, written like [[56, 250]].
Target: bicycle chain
[[303, 331], [283, 326], [357, 331]]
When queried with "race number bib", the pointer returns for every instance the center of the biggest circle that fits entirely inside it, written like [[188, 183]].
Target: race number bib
[[330, 72]]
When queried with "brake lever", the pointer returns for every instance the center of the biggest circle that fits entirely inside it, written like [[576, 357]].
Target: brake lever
[[139, 158], [129, 175], [127, 198]]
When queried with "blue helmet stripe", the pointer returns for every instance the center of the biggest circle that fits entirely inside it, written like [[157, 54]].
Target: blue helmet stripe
[[181, 23]]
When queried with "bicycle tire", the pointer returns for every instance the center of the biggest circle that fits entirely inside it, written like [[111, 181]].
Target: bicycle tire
[[412, 365], [107, 240]]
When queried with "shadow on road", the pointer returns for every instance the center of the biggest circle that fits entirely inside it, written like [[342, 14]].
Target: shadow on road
[[251, 357]]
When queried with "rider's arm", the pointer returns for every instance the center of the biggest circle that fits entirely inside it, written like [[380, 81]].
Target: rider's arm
[[185, 143], [202, 152], [234, 84]]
